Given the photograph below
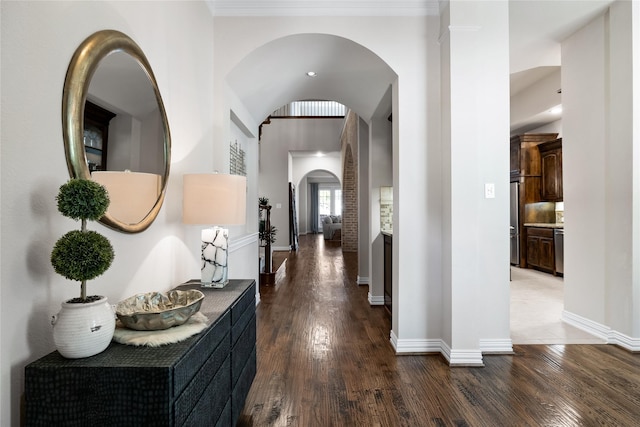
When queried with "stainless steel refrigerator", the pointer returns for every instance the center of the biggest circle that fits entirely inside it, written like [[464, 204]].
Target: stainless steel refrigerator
[[514, 226]]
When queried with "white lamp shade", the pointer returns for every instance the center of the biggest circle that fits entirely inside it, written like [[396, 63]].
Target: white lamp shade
[[214, 198], [132, 194]]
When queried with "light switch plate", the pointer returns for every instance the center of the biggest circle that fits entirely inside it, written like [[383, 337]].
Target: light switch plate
[[489, 190]]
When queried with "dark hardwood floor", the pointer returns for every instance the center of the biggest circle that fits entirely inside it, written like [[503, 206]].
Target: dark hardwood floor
[[324, 359]]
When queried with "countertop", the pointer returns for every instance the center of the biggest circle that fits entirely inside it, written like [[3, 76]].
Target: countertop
[[544, 224]]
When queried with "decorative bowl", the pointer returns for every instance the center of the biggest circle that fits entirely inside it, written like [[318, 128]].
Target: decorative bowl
[[156, 311]]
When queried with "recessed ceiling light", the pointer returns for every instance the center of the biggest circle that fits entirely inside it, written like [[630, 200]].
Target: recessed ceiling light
[[556, 110], [311, 74], [319, 154]]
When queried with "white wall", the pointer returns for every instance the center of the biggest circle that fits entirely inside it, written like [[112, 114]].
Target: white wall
[[584, 102], [38, 40], [553, 127], [622, 192], [601, 190], [476, 122], [380, 175], [278, 139], [536, 99], [364, 207]]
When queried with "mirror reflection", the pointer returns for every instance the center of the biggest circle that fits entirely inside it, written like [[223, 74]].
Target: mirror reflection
[[122, 123], [115, 128]]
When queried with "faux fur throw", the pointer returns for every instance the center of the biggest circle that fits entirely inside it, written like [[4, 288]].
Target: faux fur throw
[[196, 323]]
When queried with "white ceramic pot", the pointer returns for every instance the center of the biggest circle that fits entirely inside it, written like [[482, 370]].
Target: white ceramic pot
[[82, 330]]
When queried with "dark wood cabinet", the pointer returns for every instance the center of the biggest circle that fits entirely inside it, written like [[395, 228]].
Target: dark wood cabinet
[[527, 171], [388, 245], [514, 158], [201, 381], [540, 249], [525, 156], [96, 135], [551, 169]]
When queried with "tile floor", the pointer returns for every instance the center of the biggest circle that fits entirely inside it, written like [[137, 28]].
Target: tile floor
[[536, 311]]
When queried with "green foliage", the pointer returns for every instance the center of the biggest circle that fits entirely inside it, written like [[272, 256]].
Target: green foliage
[[82, 255], [262, 203], [83, 199], [265, 235]]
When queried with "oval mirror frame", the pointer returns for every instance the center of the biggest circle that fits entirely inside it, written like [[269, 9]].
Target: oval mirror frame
[[83, 65]]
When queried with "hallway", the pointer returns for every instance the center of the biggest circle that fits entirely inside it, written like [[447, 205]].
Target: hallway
[[324, 359]]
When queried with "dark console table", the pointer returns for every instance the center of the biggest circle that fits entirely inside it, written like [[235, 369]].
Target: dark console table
[[202, 381]]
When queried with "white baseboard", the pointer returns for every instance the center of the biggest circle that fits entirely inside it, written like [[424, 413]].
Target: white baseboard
[[411, 346], [394, 340], [281, 248], [496, 346], [360, 280], [587, 325], [467, 357], [471, 358], [375, 300], [624, 341], [609, 335]]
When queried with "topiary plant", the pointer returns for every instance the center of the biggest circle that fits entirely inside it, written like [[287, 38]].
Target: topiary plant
[[82, 255]]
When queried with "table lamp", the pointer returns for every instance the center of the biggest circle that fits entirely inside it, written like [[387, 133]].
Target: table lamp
[[214, 199]]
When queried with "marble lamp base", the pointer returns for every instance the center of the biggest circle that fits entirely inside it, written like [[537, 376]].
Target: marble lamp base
[[215, 255]]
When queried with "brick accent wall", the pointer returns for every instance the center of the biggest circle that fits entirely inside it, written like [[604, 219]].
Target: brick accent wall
[[349, 141]]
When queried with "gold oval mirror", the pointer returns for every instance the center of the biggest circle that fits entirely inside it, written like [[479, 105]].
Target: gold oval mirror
[[115, 128]]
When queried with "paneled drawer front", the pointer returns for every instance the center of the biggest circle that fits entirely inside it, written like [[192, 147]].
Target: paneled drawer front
[[189, 398], [225, 416], [191, 363], [247, 299], [243, 348], [61, 396], [242, 387], [212, 403], [540, 232], [238, 327]]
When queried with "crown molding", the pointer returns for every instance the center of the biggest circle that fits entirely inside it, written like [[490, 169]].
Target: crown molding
[[323, 8]]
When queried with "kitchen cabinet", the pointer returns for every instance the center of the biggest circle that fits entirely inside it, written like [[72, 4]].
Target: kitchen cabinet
[[96, 135], [540, 249], [524, 154], [551, 169], [526, 171], [514, 158]]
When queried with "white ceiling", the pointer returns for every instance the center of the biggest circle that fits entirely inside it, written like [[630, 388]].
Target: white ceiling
[[537, 27]]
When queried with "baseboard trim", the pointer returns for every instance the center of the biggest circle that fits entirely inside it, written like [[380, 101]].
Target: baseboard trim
[[465, 358], [281, 248], [624, 341], [496, 346], [610, 336], [471, 358], [375, 300], [415, 346], [594, 328], [360, 280]]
